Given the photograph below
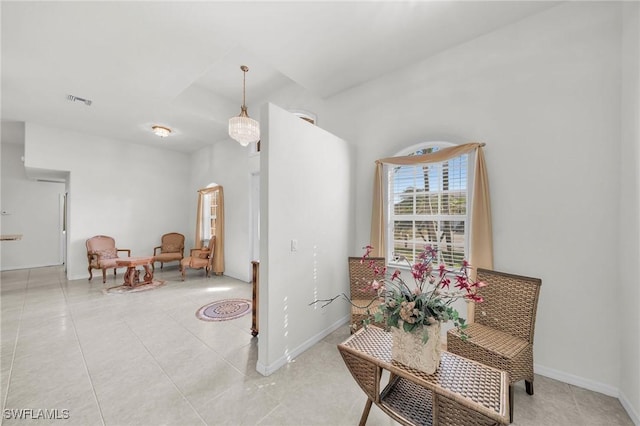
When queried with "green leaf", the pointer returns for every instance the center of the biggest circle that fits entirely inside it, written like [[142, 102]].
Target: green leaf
[[425, 336]]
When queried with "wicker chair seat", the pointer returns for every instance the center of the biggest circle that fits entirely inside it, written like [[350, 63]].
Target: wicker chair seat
[[361, 309], [359, 313], [495, 348]]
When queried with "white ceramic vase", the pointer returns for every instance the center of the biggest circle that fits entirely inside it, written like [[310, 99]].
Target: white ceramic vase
[[409, 349]]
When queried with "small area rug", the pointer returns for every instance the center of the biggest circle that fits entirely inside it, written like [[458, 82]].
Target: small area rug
[[122, 289], [224, 310]]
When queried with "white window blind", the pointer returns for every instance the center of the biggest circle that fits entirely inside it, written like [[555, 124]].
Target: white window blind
[[209, 215], [428, 204]]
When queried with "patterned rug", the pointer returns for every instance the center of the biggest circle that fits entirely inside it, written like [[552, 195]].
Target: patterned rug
[[122, 289], [224, 310]]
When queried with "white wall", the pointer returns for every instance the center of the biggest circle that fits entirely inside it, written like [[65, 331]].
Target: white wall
[[229, 164], [544, 94], [305, 196], [130, 192], [33, 209], [629, 229], [226, 163]]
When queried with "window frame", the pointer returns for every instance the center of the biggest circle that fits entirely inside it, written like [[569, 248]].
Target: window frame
[[389, 204]]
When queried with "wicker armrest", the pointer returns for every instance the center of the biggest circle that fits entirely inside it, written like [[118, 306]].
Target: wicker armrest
[[155, 250]]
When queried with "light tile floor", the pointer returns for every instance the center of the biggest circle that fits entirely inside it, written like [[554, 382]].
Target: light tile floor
[[145, 359]]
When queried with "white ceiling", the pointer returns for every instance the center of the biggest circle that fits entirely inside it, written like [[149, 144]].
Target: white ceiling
[[178, 63]]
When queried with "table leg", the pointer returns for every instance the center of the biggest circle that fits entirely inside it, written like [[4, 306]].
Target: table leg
[[365, 413], [129, 276], [148, 274]]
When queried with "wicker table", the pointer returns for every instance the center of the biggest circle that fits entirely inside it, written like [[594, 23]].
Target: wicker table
[[462, 392]]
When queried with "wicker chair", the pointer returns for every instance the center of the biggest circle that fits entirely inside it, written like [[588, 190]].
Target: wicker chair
[[360, 277], [199, 258], [171, 249], [103, 254], [501, 335]]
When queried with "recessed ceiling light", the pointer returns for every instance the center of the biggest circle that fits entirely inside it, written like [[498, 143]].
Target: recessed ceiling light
[[161, 131]]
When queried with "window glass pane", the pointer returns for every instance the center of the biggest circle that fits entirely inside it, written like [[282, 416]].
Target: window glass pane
[[429, 207], [403, 238]]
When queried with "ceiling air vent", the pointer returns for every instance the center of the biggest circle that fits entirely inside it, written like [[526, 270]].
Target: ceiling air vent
[[72, 98]]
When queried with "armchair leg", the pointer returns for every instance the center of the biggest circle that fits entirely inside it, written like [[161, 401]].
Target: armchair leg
[[510, 403], [182, 271], [529, 386], [90, 273], [104, 276]]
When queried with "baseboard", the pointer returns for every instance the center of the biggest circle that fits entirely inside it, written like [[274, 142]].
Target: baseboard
[[591, 385], [635, 417], [581, 382], [267, 370], [19, 267]]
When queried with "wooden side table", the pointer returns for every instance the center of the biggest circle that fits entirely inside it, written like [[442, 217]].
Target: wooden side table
[[132, 276], [462, 392], [255, 266]]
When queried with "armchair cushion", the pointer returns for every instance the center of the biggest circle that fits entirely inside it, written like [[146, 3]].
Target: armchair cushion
[[108, 253], [170, 248]]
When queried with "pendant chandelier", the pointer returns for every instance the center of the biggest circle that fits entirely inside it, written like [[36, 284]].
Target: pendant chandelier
[[242, 128]]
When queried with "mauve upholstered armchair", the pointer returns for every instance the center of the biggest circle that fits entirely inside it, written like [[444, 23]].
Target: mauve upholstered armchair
[[171, 249], [103, 254], [199, 258]]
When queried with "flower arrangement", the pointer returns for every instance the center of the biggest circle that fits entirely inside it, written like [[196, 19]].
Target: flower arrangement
[[427, 301], [430, 298]]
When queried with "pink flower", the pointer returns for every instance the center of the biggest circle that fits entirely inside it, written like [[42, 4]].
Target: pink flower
[[419, 270], [395, 275], [368, 250], [375, 285], [431, 251], [462, 283], [442, 269], [445, 282], [474, 297]]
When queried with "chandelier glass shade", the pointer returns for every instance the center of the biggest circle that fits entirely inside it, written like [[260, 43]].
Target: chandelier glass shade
[[243, 128]]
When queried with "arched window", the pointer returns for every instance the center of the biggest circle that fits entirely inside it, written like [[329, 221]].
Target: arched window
[[428, 203]]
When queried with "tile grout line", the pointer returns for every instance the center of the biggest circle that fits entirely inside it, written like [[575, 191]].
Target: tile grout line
[[164, 372], [84, 361], [205, 343], [15, 345]]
